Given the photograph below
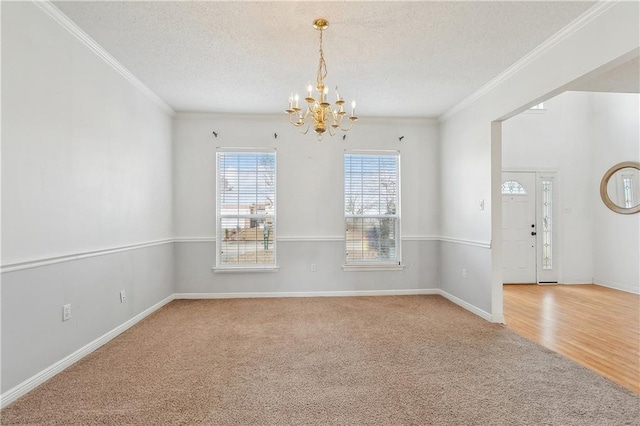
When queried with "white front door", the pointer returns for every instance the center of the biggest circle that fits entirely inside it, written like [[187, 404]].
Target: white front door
[[519, 227]]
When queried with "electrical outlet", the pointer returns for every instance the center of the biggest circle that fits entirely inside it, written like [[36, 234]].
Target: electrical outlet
[[66, 312], [313, 267], [464, 272], [123, 296]]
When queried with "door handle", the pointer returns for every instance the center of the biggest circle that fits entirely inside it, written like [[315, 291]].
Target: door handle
[[534, 233]]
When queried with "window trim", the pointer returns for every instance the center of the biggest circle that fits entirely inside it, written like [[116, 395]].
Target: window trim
[[218, 267], [244, 269], [397, 264]]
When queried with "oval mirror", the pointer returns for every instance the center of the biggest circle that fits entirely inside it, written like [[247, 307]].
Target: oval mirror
[[620, 187]]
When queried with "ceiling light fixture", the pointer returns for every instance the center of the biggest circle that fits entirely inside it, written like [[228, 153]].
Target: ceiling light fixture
[[325, 118]]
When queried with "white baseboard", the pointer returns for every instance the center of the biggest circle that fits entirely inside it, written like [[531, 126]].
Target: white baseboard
[[571, 280], [472, 308], [408, 292], [31, 383], [256, 295], [23, 388], [614, 286]]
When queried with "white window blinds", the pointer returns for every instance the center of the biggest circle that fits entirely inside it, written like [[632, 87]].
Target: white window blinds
[[371, 208], [246, 209]]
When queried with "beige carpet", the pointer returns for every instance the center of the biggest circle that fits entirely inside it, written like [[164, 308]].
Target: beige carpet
[[324, 361]]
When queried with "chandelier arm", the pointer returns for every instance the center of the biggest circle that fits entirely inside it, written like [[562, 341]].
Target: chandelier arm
[[305, 130], [348, 128], [291, 121]]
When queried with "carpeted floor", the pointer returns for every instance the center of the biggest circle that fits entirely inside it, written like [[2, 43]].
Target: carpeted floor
[[398, 360]]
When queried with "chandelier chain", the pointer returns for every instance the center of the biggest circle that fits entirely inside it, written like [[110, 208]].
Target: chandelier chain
[[322, 65]]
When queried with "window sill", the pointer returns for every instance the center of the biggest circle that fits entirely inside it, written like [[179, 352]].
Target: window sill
[[244, 269], [369, 268]]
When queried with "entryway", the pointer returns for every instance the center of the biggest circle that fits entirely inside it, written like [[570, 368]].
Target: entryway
[[528, 227]]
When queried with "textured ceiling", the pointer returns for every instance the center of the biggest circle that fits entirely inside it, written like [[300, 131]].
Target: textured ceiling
[[397, 59]]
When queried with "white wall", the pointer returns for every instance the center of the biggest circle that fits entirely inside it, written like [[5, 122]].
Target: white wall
[[310, 221], [559, 139], [86, 167], [615, 129], [471, 145], [86, 157], [581, 135]]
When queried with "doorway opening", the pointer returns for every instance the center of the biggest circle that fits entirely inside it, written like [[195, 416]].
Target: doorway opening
[[529, 227]]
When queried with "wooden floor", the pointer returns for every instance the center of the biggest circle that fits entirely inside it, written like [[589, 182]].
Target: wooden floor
[[592, 325]]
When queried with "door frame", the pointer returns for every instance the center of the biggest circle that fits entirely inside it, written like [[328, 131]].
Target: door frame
[[543, 276]]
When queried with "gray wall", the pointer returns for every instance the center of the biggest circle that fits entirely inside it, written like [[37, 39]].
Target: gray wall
[[310, 203], [195, 259], [34, 336], [86, 170]]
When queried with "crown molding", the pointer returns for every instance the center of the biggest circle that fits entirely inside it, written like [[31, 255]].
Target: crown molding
[[588, 16], [85, 39]]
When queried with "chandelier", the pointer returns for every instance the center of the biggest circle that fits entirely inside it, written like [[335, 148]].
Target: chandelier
[[325, 118]]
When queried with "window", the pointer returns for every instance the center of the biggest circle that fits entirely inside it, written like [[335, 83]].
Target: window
[[372, 208], [627, 191], [536, 109], [246, 209], [511, 187], [547, 224]]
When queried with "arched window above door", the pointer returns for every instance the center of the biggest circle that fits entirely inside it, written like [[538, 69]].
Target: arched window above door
[[512, 187]]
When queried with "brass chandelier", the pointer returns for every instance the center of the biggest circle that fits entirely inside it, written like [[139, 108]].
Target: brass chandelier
[[325, 118]]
